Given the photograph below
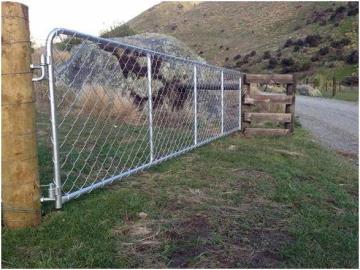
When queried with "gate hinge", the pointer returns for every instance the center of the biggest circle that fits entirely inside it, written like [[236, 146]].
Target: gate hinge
[[51, 194], [41, 67]]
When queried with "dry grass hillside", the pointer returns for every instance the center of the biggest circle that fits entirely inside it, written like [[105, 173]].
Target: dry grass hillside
[[237, 34]]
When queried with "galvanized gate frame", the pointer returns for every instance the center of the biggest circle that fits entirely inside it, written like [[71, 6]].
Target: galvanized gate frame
[[55, 189]]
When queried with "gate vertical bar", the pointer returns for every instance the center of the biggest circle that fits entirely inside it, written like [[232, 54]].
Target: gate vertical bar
[[240, 100], [150, 109], [54, 131], [222, 102], [195, 106]]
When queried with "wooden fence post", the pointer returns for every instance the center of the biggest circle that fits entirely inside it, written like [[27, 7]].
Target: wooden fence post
[[334, 87], [290, 108], [20, 179]]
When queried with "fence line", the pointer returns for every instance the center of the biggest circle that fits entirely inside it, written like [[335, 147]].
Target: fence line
[[117, 109]]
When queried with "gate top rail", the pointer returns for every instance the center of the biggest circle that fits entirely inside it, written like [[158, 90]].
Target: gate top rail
[[104, 41]]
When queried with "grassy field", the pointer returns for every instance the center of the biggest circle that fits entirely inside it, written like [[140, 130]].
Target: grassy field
[[238, 202], [344, 95]]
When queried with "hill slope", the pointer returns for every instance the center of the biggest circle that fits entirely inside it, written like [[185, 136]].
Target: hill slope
[[236, 34]]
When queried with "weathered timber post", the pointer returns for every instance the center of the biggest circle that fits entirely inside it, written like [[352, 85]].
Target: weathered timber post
[[334, 87], [245, 106], [20, 179], [326, 86], [290, 108]]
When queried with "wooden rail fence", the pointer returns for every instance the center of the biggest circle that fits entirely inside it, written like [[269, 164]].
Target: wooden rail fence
[[251, 100]]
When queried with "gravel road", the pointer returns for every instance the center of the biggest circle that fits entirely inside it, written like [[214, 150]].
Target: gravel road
[[333, 122]]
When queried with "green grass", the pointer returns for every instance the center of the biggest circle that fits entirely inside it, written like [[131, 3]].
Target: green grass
[[343, 95], [238, 202]]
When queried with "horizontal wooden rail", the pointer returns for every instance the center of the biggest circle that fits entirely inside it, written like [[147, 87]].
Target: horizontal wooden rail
[[269, 98], [266, 132], [269, 78], [267, 117]]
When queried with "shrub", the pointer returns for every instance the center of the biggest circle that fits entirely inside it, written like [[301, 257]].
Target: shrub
[[122, 30], [227, 48], [350, 80], [272, 63], [253, 53], [340, 9], [299, 42], [340, 43], [296, 48], [67, 44], [324, 50], [313, 40], [221, 46], [315, 58], [287, 62], [201, 52], [238, 63], [226, 59], [353, 8], [237, 57], [288, 43], [353, 57], [266, 55]]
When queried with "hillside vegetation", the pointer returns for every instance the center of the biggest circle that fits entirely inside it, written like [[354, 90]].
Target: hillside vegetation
[[311, 38]]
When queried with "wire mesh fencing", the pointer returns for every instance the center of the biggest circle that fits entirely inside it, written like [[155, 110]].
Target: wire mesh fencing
[[117, 109]]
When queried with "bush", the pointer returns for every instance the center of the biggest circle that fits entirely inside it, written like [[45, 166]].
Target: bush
[[307, 90], [226, 59], [296, 48], [324, 51], [299, 42], [286, 62], [67, 44], [253, 53], [315, 58], [353, 57], [266, 55], [122, 30], [227, 48], [272, 63], [350, 80], [340, 43], [353, 8], [313, 40], [288, 43], [237, 57], [340, 9], [238, 63], [221, 46]]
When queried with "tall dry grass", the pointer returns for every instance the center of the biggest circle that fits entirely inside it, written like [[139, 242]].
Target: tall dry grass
[[99, 101]]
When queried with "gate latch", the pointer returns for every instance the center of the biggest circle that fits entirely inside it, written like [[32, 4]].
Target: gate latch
[[41, 67]]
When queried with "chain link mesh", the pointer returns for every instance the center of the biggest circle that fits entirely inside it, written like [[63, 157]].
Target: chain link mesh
[[106, 127]]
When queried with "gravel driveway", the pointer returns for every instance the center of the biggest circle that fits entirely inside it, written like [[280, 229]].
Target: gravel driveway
[[333, 122]]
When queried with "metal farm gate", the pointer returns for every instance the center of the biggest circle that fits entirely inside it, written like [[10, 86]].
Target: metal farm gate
[[117, 109]]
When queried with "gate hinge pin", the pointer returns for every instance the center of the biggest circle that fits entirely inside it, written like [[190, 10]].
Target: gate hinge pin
[[41, 67]]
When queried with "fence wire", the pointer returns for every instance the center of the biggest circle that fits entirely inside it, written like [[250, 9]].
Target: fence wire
[[118, 109]]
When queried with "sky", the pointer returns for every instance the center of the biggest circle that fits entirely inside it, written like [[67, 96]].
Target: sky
[[90, 17]]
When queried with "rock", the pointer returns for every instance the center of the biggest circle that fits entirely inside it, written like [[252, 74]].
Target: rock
[[308, 90], [232, 148], [142, 215]]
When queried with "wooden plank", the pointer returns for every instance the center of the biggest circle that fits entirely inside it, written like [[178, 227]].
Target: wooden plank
[[269, 78], [266, 132], [268, 98], [264, 117]]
